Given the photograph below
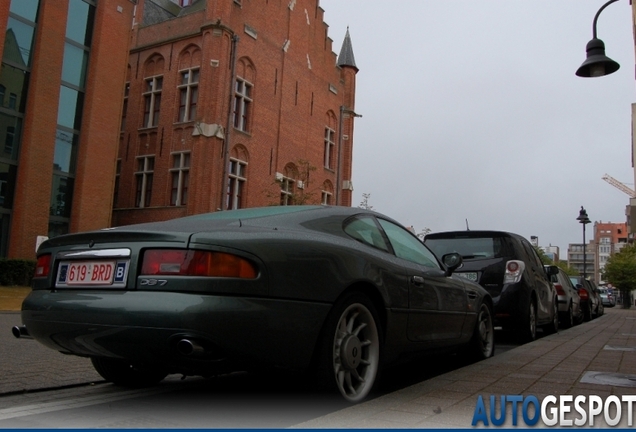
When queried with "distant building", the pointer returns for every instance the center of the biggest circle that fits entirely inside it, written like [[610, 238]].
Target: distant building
[[576, 258], [551, 252], [609, 239], [233, 104], [63, 69]]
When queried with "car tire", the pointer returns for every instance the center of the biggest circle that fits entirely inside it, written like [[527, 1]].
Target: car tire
[[124, 374], [529, 323], [553, 327], [482, 344], [349, 354]]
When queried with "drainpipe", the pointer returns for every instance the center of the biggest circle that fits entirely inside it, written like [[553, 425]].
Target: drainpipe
[[226, 140]]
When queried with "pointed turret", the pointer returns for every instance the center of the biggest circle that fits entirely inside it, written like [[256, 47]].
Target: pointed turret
[[346, 57]]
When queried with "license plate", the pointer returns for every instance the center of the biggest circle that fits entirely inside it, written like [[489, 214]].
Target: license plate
[[471, 276], [92, 273]]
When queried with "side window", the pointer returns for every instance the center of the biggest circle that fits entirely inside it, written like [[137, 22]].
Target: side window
[[365, 230], [407, 246]]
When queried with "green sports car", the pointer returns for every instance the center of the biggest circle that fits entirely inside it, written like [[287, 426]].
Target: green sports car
[[336, 292]]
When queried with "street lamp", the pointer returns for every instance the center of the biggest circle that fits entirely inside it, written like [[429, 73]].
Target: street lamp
[[597, 63], [584, 220]]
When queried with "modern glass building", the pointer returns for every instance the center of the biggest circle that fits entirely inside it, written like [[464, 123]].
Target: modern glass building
[[62, 83]]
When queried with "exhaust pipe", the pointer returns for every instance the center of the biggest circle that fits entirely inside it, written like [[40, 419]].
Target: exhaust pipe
[[188, 347], [20, 332]]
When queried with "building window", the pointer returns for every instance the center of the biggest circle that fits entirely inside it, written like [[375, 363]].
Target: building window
[[236, 184], [185, 3], [242, 104], [287, 191], [125, 106], [152, 101], [188, 95], [144, 174], [326, 198], [180, 178], [330, 146], [605, 240]]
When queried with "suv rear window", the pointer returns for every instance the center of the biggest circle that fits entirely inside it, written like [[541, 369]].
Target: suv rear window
[[471, 248]]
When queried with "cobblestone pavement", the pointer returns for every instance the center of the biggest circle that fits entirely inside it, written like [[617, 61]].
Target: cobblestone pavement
[[26, 365]]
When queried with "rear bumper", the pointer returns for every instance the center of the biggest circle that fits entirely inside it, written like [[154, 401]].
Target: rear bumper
[[146, 327], [511, 304]]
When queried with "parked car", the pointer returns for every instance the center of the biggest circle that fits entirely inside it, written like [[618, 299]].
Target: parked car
[[510, 269], [570, 312], [335, 291], [608, 298], [590, 300]]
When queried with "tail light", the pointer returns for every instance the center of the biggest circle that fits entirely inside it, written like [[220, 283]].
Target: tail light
[[43, 266], [559, 289], [583, 294], [514, 271], [177, 262]]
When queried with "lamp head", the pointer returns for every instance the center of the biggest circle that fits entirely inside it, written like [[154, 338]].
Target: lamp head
[[597, 63], [583, 216]]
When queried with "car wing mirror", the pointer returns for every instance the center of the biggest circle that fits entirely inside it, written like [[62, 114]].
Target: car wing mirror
[[452, 261], [552, 270]]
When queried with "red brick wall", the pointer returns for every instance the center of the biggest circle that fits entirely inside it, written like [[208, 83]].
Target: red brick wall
[[291, 97]]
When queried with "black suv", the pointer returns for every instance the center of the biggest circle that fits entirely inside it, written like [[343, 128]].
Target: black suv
[[510, 269]]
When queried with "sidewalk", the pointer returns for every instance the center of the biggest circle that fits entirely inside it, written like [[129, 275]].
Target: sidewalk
[[552, 365]]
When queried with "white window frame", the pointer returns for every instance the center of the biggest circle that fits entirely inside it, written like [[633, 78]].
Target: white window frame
[[287, 185], [326, 198], [241, 112], [152, 100], [181, 172], [236, 183], [143, 177], [188, 90], [330, 145]]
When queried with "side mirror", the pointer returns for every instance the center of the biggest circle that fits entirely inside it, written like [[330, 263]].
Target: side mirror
[[552, 270], [452, 261], [579, 286]]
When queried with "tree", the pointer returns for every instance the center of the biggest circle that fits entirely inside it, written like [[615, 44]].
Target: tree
[[620, 271], [365, 202]]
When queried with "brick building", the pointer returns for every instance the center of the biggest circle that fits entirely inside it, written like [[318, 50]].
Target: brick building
[[609, 238], [232, 104], [63, 65]]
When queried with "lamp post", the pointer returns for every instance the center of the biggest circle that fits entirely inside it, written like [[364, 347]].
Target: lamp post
[[597, 63], [584, 220]]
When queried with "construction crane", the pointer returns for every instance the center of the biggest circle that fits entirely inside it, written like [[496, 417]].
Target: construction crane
[[618, 185]]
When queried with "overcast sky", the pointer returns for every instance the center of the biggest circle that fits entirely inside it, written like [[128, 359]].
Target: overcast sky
[[472, 111]]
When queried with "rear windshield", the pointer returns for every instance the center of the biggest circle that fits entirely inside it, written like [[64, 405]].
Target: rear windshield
[[470, 247]]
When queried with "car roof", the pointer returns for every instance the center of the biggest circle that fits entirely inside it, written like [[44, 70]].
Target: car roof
[[472, 234], [270, 216]]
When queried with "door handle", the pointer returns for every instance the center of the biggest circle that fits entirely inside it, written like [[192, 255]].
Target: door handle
[[417, 280]]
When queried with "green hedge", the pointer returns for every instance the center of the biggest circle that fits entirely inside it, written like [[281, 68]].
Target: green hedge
[[16, 272]]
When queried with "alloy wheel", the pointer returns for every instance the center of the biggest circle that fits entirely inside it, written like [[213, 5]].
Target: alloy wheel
[[356, 352]]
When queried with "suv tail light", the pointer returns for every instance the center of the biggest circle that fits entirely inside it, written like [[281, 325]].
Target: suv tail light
[[177, 262], [43, 266], [583, 294], [514, 271], [559, 289]]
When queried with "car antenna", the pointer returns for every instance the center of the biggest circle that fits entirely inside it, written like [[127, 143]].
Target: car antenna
[[467, 227]]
